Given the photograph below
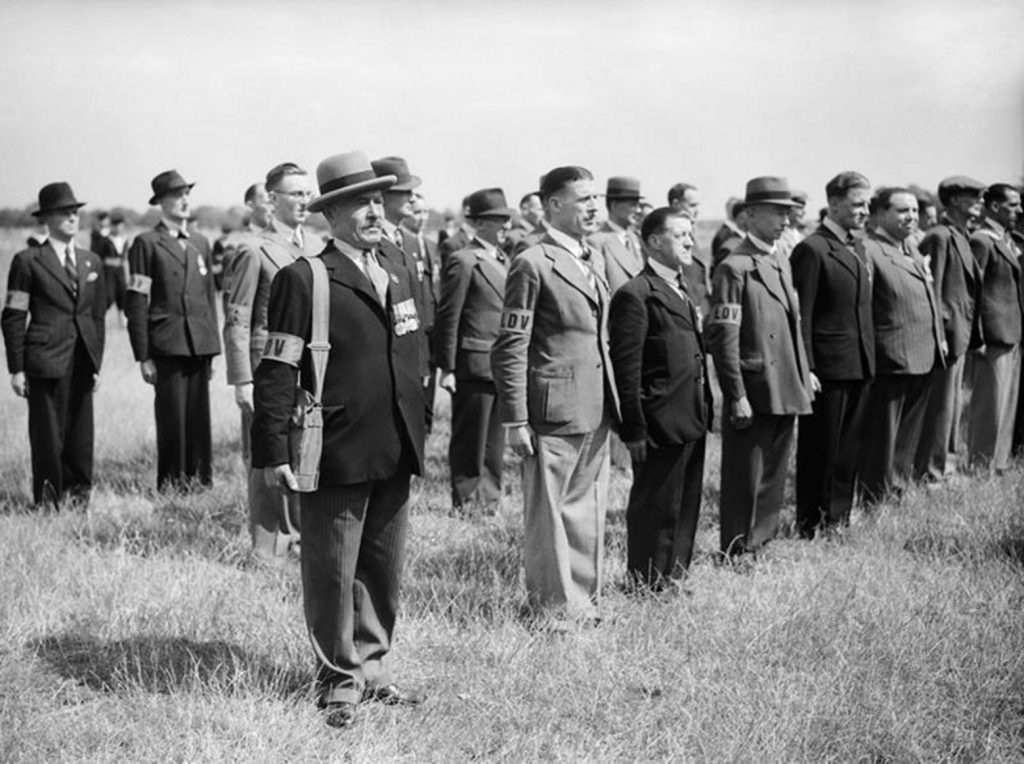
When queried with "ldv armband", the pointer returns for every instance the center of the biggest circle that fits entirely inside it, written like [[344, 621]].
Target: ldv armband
[[726, 313], [286, 348], [139, 283], [517, 321], [17, 300]]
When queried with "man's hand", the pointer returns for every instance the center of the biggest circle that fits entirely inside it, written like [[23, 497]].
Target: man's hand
[[280, 477], [209, 375], [520, 438], [448, 381], [944, 348], [637, 451], [19, 384], [148, 372], [243, 397], [741, 415], [815, 383], [95, 382]]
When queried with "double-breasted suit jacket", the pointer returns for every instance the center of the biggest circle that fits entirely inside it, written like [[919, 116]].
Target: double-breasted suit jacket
[[54, 335], [658, 355], [621, 262], [398, 257], [753, 332], [554, 324], [171, 301], [255, 260], [45, 315], [834, 285], [468, 320], [957, 283], [999, 305], [372, 400]]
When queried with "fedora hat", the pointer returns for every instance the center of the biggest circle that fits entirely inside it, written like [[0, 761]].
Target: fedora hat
[[405, 180], [769, 190], [488, 203], [622, 188], [346, 174], [56, 196], [166, 182]]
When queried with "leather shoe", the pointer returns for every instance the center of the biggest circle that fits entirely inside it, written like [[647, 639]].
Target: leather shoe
[[340, 715], [393, 695]]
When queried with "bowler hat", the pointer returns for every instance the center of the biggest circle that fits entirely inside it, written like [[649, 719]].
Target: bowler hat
[[56, 196], [345, 174], [622, 188], [769, 190], [957, 183], [488, 203], [165, 183], [405, 180]]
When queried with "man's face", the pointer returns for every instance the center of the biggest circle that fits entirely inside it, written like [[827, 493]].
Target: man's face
[[417, 221], [397, 205], [176, 205], [927, 217], [532, 210], [62, 224], [673, 246], [574, 208], [968, 203], [850, 211], [1007, 212], [796, 215], [493, 230], [767, 221], [899, 219], [626, 213], [291, 199], [689, 204], [260, 207], [357, 221]]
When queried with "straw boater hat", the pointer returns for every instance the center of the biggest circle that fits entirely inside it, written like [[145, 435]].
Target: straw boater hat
[[769, 190], [166, 182], [346, 174], [56, 196]]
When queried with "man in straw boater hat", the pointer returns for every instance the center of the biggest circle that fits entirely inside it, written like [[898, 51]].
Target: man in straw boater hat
[[53, 330], [354, 523], [172, 325], [468, 317], [753, 333]]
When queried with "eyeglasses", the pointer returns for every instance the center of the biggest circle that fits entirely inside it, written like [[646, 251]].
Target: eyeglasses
[[297, 195]]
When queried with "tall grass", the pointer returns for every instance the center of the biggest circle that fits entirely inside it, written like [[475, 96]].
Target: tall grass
[[135, 631]]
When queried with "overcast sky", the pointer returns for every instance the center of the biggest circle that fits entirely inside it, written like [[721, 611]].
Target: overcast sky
[[107, 93]]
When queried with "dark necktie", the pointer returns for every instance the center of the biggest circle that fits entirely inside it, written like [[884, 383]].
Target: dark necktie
[[70, 267], [183, 241]]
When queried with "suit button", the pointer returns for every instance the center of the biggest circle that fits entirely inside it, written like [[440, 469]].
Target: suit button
[[593, 312], [599, 365]]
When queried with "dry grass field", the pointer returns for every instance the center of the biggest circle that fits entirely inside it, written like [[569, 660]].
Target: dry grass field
[[135, 631]]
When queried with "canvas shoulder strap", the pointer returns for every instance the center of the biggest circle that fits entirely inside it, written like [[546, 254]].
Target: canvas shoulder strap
[[319, 347]]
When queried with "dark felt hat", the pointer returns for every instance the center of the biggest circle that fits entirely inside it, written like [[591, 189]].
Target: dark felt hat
[[769, 190], [488, 203], [165, 183], [623, 188], [346, 174], [405, 180], [56, 196]]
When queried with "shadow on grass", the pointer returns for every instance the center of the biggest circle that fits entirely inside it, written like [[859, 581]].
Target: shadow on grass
[[167, 665]]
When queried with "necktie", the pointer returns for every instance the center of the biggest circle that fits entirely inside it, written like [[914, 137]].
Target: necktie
[[71, 267], [587, 265], [297, 237], [183, 241], [377, 275]]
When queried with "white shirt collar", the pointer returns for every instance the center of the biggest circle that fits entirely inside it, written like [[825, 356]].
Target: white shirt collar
[[489, 248], [175, 228], [764, 246], [671, 276], [996, 226], [841, 233], [566, 241], [352, 253]]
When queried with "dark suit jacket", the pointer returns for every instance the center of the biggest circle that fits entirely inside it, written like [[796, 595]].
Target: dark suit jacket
[[372, 402], [43, 318], [469, 316], [957, 283], [908, 328], [658, 355], [999, 307], [400, 258], [446, 245], [171, 298], [834, 287], [428, 272]]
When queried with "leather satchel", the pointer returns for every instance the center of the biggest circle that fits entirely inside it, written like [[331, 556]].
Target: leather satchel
[[306, 434]]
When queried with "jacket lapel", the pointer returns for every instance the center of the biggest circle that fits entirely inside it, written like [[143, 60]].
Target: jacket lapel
[[170, 245], [492, 272], [666, 295], [563, 263], [279, 250], [841, 253], [48, 256], [342, 270]]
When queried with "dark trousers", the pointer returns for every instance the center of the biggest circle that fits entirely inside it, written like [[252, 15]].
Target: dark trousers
[[429, 393], [661, 517], [828, 454], [116, 285], [184, 449], [353, 549], [60, 431], [476, 448], [895, 416], [755, 461]]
